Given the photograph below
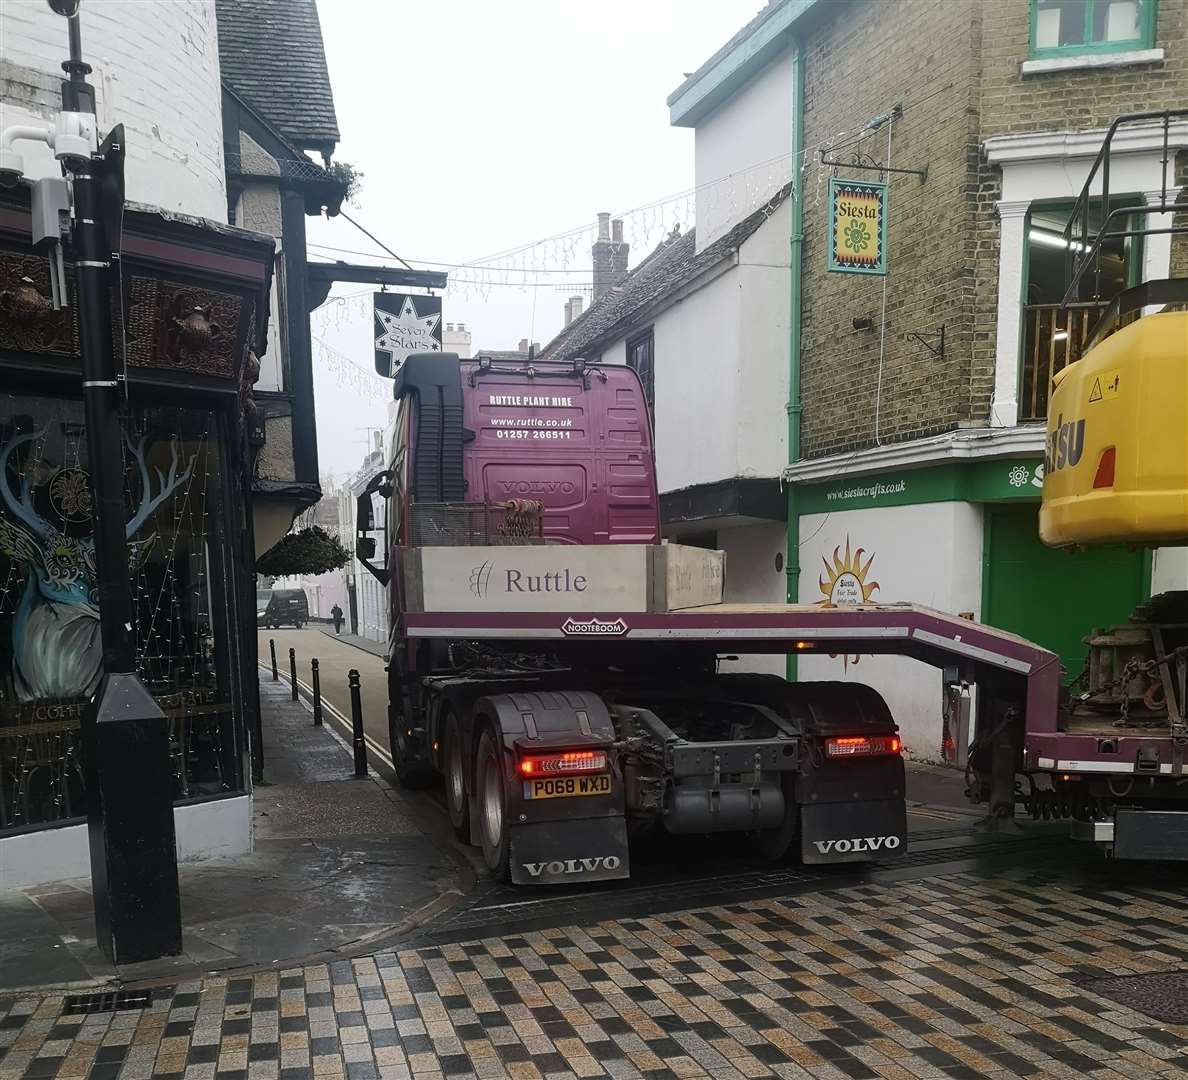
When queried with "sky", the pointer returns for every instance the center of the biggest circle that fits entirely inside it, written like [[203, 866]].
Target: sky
[[482, 127]]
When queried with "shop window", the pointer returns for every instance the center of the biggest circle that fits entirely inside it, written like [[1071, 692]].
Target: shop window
[[182, 585], [1067, 27], [1055, 335]]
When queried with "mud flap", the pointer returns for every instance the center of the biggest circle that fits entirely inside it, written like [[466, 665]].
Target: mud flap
[[872, 831], [569, 850]]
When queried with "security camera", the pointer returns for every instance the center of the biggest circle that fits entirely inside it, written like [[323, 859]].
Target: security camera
[[67, 8], [12, 168]]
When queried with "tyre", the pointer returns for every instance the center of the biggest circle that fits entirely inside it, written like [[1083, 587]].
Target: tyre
[[409, 773], [774, 845], [491, 791], [453, 758]]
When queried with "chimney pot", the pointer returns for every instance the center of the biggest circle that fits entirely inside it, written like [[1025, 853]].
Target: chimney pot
[[617, 230], [604, 226]]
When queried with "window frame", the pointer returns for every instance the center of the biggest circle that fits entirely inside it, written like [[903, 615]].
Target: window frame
[[1148, 19], [647, 336]]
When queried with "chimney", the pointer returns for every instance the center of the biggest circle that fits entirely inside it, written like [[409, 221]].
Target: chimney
[[573, 308], [619, 250], [601, 251]]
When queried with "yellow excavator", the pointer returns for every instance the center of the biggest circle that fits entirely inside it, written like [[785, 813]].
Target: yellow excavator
[[1116, 460], [1116, 471]]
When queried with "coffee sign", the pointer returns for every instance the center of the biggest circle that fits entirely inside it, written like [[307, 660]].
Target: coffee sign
[[857, 241]]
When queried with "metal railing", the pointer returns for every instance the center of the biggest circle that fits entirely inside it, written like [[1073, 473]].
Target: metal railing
[[450, 524], [1055, 336]]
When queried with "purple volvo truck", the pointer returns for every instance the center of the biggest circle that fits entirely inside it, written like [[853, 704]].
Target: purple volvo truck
[[562, 725]]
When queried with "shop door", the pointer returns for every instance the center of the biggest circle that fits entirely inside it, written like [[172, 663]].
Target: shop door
[[1053, 597]]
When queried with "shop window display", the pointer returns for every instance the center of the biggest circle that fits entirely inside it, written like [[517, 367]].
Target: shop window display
[[50, 650]]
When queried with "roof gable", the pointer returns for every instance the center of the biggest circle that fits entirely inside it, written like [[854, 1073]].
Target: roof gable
[[669, 268], [272, 55]]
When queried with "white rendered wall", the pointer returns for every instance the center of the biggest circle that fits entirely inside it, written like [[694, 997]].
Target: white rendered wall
[[697, 368], [764, 286], [928, 554], [208, 830], [752, 577], [156, 71], [742, 151]]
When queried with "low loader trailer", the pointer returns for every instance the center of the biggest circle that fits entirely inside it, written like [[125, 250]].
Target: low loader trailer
[[568, 675]]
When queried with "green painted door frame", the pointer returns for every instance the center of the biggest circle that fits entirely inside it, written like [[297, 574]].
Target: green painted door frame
[[795, 257]]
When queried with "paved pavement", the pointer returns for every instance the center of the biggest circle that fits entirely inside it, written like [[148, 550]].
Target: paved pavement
[[336, 656], [339, 865], [953, 975], [975, 956]]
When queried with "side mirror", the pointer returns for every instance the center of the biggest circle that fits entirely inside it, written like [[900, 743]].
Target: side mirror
[[381, 483]]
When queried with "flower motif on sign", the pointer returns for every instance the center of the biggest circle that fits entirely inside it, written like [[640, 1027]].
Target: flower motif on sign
[[1019, 476], [70, 494], [857, 236]]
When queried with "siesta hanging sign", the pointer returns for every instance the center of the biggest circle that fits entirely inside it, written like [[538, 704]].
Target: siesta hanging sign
[[857, 240], [404, 323]]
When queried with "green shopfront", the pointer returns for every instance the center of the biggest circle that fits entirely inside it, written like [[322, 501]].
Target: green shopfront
[[961, 537]]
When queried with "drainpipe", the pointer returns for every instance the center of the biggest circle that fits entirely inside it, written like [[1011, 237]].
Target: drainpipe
[[792, 564]]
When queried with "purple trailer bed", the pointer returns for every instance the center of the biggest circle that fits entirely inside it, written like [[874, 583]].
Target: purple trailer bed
[[898, 629]]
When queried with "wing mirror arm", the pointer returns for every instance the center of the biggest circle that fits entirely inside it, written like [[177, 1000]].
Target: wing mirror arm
[[380, 484]]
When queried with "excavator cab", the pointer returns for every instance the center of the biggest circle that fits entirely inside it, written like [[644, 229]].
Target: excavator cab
[[1116, 457]]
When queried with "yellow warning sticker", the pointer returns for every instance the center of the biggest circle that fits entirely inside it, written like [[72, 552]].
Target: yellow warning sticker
[[1106, 385]]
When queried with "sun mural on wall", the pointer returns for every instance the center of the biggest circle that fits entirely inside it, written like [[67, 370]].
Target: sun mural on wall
[[844, 582]]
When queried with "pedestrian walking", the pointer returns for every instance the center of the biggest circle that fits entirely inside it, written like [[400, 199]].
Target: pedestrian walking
[[336, 615]]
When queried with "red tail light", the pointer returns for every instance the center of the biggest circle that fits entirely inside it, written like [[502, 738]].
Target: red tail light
[[565, 763], [852, 746], [1104, 476]]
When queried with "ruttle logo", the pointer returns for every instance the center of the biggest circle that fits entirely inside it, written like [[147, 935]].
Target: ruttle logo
[[480, 578]]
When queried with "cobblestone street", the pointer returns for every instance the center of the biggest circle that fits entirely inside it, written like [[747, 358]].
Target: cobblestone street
[[948, 976]]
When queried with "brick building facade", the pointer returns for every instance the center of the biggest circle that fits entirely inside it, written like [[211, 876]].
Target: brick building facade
[[958, 71], [916, 438]]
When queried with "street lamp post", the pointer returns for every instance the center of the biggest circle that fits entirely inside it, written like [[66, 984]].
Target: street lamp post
[[125, 735]]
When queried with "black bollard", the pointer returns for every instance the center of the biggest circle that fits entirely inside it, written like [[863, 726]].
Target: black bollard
[[357, 724], [272, 650], [317, 691], [293, 671]]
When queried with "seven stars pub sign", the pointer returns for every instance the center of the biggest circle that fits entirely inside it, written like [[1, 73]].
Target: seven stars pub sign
[[857, 239]]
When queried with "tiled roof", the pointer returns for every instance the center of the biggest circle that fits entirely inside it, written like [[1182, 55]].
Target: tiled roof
[[671, 266], [272, 55]]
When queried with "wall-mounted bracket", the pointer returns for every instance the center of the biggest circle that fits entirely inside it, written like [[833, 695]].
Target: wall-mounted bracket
[[937, 350], [921, 173]]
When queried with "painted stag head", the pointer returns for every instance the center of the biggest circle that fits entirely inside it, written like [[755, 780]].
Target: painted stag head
[[63, 566]]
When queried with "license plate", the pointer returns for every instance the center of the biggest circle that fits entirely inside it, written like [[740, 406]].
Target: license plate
[[565, 786]]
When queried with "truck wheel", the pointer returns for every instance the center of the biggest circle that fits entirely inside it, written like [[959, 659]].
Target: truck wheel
[[409, 774], [491, 791], [455, 778], [774, 844]]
